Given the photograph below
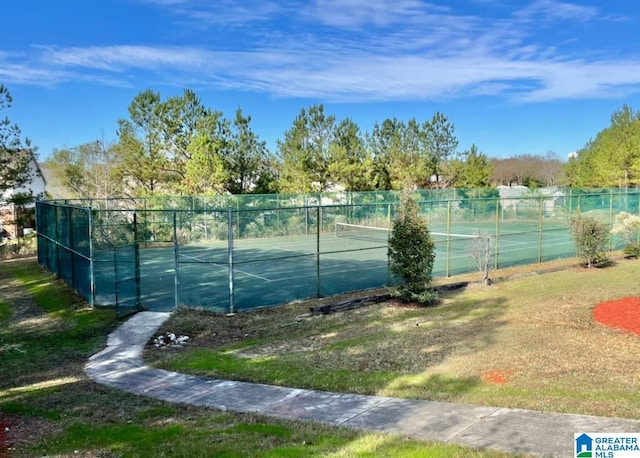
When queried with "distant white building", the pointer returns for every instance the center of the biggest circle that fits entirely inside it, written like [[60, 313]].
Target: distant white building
[[14, 222], [520, 198], [509, 195]]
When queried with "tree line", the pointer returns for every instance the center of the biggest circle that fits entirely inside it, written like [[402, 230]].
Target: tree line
[[177, 145], [612, 158]]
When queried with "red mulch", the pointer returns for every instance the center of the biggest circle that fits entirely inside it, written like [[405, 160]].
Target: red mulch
[[621, 314], [495, 376]]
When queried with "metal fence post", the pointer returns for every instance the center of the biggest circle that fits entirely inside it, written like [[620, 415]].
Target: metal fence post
[[570, 200], [448, 250], [499, 212], [638, 232], [540, 211], [610, 220], [176, 264], [136, 255], [57, 229], [230, 259], [390, 227], [92, 275], [318, 227], [115, 278]]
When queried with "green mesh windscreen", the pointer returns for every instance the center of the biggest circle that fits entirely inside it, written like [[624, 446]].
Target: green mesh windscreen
[[232, 253]]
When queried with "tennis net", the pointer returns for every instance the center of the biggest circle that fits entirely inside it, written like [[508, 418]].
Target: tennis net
[[362, 232], [382, 234]]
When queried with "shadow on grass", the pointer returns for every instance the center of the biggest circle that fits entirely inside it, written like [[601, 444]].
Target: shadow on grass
[[458, 327], [67, 414], [374, 350]]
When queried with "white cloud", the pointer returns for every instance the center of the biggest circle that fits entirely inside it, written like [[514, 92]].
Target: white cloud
[[20, 73], [365, 50], [577, 79], [229, 13], [359, 13], [121, 58], [552, 10]]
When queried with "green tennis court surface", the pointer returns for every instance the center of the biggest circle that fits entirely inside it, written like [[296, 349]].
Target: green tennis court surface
[[231, 253], [268, 271]]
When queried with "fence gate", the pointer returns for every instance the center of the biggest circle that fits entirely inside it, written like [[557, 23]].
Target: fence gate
[[126, 262]]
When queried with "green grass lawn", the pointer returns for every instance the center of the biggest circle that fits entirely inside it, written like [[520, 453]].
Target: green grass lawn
[[51, 408], [529, 342]]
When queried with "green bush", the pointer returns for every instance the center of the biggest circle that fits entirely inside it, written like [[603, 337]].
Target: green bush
[[632, 251], [412, 253], [590, 237]]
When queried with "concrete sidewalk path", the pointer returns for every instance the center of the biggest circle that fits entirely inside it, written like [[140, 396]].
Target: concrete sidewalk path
[[120, 365]]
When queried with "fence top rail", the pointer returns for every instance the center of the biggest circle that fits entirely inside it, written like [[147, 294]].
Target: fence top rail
[[261, 202], [235, 210], [55, 203]]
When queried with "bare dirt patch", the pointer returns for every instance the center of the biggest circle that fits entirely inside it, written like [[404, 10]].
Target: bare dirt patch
[[19, 431], [23, 304]]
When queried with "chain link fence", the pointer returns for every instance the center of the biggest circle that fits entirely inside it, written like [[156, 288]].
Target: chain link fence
[[231, 253]]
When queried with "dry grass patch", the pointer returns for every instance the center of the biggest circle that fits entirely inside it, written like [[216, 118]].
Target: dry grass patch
[[48, 407], [534, 334]]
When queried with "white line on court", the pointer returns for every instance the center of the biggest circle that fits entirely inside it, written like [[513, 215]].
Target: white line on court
[[204, 261], [466, 255], [337, 271], [253, 275]]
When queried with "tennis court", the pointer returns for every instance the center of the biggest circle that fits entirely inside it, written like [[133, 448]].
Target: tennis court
[[241, 258], [275, 270], [263, 272]]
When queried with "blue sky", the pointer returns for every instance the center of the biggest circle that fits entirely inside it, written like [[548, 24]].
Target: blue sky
[[514, 77]]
